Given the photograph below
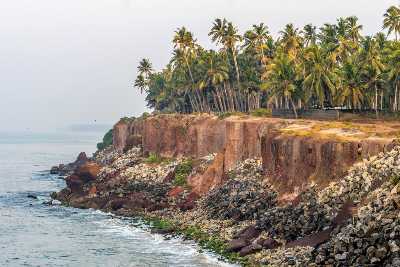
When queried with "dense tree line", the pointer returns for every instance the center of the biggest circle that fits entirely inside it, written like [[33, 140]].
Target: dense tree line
[[332, 66]]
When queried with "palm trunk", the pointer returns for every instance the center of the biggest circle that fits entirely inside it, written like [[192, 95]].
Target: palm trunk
[[294, 107], [395, 99], [190, 71], [376, 101], [236, 67]]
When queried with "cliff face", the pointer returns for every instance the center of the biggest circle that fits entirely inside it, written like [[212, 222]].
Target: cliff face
[[295, 153]]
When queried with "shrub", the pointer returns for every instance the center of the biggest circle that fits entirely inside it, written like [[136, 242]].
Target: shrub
[[395, 179], [107, 140], [153, 158], [261, 112], [182, 171]]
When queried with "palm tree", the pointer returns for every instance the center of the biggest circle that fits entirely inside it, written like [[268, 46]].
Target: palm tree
[[144, 71], [350, 90], [186, 44], [319, 80], [216, 73], [256, 39], [291, 40], [391, 21], [140, 83], [310, 35], [371, 59], [223, 32], [145, 68], [394, 71], [328, 34], [280, 80], [354, 28]]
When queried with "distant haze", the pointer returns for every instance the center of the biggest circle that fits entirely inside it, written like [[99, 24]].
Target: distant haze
[[69, 62]]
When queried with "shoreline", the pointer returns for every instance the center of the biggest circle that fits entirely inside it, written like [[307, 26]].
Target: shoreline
[[237, 213]]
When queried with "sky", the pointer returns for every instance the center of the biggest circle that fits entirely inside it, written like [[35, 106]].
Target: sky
[[69, 62]]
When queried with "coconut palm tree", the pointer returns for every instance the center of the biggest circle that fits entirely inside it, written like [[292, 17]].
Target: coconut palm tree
[[280, 80], [145, 67], [354, 28], [216, 73], [291, 40], [350, 92], [371, 59], [393, 67], [186, 44], [391, 21], [320, 78], [309, 35], [140, 83], [256, 39]]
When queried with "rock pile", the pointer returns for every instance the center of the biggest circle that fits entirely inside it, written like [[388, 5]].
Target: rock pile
[[243, 197], [106, 156], [293, 221]]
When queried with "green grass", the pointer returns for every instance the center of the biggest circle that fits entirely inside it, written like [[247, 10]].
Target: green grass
[[154, 158], [261, 112], [182, 171]]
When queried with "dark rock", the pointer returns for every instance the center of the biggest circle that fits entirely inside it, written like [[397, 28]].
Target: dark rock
[[74, 182], [250, 249], [249, 233], [32, 196], [189, 202], [54, 170], [270, 243], [236, 245]]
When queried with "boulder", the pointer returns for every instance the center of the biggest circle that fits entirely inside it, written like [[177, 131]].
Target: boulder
[[236, 245], [88, 171]]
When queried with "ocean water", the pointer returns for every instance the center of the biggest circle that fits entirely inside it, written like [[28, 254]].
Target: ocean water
[[35, 234]]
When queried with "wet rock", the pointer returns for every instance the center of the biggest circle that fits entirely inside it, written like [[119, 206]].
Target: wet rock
[[250, 249]]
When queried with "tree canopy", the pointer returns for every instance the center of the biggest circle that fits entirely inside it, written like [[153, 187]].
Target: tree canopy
[[331, 66]]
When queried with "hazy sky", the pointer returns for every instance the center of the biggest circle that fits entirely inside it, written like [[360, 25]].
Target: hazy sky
[[66, 62]]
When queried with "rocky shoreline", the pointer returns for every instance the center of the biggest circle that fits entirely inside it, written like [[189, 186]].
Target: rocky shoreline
[[351, 222]]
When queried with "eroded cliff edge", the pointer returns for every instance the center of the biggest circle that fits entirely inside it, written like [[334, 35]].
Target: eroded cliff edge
[[295, 153], [259, 191]]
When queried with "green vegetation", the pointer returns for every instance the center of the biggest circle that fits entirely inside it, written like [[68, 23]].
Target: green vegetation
[[107, 140], [154, 158], [205, 240], [395, 179], [261, 112], [182, 171], [308, 68]]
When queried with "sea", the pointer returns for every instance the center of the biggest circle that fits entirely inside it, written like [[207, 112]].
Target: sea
[[33, 233]]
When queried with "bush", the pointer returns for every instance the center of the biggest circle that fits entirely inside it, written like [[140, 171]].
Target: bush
[[153, 158], [261, 112], [182, 171], [107, 140], [395, 179]]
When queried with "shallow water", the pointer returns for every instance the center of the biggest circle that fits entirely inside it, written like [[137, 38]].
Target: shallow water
[[35, 234]]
